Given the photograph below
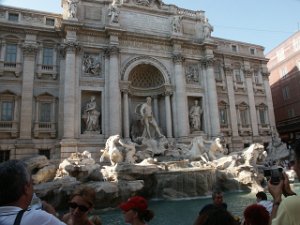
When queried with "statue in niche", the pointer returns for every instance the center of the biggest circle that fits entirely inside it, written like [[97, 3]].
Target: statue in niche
[[114, 11], [72, 8], [148, 119], [192, 74], [91, 65], [195, 115], [176, 24], [91, 115], [143, 2]]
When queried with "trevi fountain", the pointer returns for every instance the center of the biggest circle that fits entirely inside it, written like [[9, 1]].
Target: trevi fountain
[[134, 97]]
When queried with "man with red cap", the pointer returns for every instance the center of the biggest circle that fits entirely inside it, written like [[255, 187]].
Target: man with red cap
[[135, 211]]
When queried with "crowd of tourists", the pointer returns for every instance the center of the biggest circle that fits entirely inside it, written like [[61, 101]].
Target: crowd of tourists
[[17, 195]]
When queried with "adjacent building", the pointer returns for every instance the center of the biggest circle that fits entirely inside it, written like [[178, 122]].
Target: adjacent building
[[69, 81], [284, 68]]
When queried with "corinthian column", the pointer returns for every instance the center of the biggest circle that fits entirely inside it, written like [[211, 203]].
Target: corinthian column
[[269, 99], [251, 100], [126, 114], [180, 98], [69, 90], [29, 53], [114, 96], [231, 98], [212, 98], [168, 114]]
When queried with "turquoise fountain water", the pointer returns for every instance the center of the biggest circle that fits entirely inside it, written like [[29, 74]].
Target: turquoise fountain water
[[185, 211]]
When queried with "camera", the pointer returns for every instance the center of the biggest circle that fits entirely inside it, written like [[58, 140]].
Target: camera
[[274, 174]]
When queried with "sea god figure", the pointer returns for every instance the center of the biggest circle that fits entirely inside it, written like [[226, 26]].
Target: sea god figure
[[91, 115], [148, 118], [195, 116]]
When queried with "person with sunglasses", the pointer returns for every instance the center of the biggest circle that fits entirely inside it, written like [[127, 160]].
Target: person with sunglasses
[[81, 203], [135, 211]]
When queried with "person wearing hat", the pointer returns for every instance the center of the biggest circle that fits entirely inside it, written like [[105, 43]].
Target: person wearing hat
[[135, 211]]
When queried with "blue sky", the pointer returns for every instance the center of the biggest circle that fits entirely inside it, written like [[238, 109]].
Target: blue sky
[[262, 22]]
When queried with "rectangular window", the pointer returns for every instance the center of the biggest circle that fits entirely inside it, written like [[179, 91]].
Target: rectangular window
[[296, 44], [4, 155], [262, 116], [252, 51], [286, 93], [218, 74], [244, 118], [234, 48], [237, 75], [48, 56], [280, 55], [13, 17], [6, 111], [256, 77], [223, 117], [11, 53], [45, 112], [291, 113], [50, 21], [283, 73]]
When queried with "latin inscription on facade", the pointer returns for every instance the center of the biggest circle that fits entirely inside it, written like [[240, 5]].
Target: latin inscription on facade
[[145, 22]]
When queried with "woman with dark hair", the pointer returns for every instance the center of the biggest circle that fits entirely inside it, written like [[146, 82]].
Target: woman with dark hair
[[256, 215], [136, 211]]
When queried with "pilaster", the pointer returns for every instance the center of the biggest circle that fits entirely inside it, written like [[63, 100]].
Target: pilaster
[[180, 97], [29, 53], [212, 96]]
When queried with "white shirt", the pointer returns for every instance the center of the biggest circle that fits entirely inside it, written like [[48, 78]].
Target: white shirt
[[30, 217], [267, 204]]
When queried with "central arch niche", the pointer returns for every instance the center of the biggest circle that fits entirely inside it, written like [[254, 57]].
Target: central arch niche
[[146, 76], [146, 80]]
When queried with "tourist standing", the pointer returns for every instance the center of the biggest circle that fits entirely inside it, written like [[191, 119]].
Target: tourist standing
[[286, 211], [135, 211], [81, 203], [16, 192], [217, 197], [216, 216], [262, 199]]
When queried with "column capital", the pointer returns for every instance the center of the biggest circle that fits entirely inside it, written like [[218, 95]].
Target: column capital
[[111, 50], [247, 73], [178, 58], [69, 46], [228, 70], [125, 91], [208, 62], [168, 93], [29, 49]]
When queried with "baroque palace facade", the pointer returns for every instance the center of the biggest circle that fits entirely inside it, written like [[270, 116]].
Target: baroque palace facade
[[69, 81]]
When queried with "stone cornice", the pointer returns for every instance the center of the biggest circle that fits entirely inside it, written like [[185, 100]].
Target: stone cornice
[[114, 31]]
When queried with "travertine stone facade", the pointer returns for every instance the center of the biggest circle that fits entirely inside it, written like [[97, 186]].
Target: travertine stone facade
[[100, 59]]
